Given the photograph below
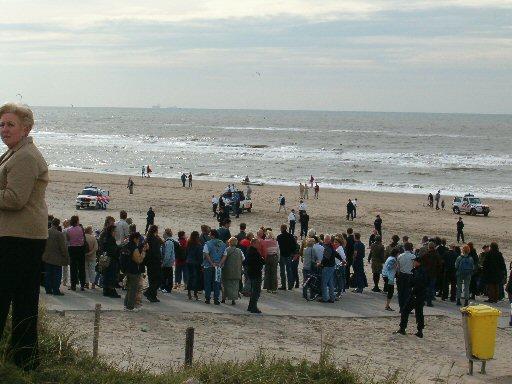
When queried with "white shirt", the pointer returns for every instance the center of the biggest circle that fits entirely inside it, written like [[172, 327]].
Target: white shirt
[[302, 206], [122, 231], [355, 203], [340, 251], [405, 262], [215, 200], [292, 217]]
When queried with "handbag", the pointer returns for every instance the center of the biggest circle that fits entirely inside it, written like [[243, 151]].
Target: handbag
[[103, 262]]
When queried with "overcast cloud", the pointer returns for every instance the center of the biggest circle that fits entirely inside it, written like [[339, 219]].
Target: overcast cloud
[[439, 56]]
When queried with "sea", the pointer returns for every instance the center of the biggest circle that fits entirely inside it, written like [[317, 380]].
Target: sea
[[393, 152]]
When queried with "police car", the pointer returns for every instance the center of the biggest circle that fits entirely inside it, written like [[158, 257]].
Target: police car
[[470, 205], [92, 197]]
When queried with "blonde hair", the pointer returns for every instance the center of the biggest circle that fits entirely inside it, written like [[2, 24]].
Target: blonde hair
[[88, 230], [466, 249], [270, 235], [23, 112], [233, 241], [310, 242]]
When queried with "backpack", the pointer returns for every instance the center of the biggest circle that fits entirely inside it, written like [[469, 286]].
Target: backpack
[[283, 201], [466, 265], [125, 255], [179, 251]]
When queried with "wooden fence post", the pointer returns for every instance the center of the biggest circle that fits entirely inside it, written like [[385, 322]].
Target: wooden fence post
[[96, 335], [189, 346]]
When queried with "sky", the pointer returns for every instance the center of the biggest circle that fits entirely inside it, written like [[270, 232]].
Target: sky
[[357, 55]]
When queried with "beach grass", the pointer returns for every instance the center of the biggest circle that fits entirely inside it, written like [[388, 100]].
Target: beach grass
[[62, 361]]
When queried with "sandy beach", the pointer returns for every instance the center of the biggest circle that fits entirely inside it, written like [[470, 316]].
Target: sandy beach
[[356, 337]]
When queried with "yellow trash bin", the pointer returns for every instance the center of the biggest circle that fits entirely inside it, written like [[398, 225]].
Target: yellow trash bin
[[480, 324]]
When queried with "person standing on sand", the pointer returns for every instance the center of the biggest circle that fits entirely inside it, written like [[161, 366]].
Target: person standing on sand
[[168, 260], [354, 202], [183, 179], [317, 189], [254, 264], [287, 248], [301, 191], [248, 192], [90, 258], [194, 261], [376, 258], [388, 275], [460, 230], [311, 181], [359, 255], [76, 249], [494, 271], [130, 185], [213, 253], [55, 256], [442, 204], [349, 251], [153, 261], [306, 191], [377, 224], [350, 210], [122, 228], [464, 267], [143, 172], [150, 219], [134, 270], [430, 199], [405, 266], [292, 220], [282, 203], [232, 270], [190, 179], [215, 204], [302, 207], [416, 300], [270, 252], [438, 197], [304, 223]]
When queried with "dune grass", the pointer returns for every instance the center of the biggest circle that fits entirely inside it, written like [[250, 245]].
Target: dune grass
[[61, 361]]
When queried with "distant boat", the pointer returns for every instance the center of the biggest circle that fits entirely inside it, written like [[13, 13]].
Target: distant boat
[[252, 183], [157, 106]]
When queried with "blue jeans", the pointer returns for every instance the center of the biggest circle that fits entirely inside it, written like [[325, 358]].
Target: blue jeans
[[209, 283], [285, 269], [339, 279], [328, 283], [180, 273], [52, 278]]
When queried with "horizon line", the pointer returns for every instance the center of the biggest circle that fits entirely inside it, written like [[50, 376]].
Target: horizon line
[[277, 110]]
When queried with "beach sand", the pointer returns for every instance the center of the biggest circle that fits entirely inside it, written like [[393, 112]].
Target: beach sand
[[366, 343]]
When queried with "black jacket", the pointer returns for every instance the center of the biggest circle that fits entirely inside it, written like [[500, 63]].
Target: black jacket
[[460, 226], [419, 283], [153, 254], [254, 263], [287, 244], [151, 217]]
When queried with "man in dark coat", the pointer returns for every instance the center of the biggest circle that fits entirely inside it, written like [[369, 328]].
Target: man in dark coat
[[378, 225], [460, 230], [416, 301], [150, 219]]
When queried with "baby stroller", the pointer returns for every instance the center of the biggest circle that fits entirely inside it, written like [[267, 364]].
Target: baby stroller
[[312, 287]]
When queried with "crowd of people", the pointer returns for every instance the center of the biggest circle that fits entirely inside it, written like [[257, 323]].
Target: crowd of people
[[226, 266]]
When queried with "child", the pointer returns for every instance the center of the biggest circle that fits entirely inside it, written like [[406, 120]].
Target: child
[[442, 204]]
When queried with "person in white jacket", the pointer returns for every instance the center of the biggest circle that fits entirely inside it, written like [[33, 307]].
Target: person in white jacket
[[292, 219]]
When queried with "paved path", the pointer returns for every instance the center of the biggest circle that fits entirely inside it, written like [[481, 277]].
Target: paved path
[[284, 303]]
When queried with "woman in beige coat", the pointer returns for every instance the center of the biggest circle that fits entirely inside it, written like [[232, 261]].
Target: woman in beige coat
[[90, 258], [23, 231]]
